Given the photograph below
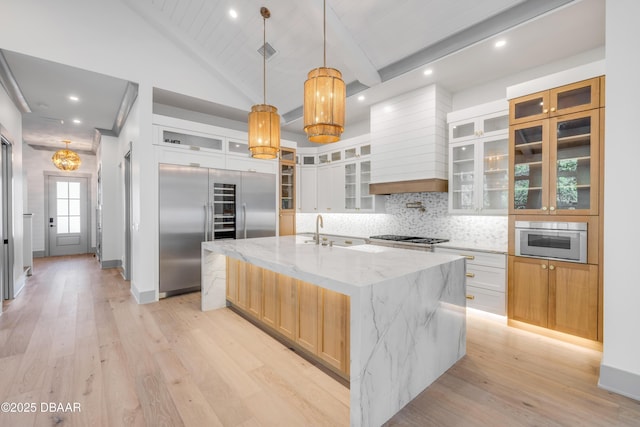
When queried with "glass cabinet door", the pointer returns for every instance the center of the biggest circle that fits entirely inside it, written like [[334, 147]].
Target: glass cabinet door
[[574, 163], [580, 96], [366, 199], [528, 108], [350, 175], [462, 177], [529, 167], [287, 189], [495, 187]]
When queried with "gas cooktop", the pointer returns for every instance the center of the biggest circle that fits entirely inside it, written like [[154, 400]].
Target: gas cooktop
[[410, 239]]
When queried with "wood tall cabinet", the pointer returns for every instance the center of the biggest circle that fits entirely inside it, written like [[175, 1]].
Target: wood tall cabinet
[[313, 319], [287, 214], [556, 166]]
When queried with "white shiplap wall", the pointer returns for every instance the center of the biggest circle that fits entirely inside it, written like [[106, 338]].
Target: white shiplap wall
[[408, 136]]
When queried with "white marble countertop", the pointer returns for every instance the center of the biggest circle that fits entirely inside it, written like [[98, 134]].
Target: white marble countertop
[[474, 246], [343, 269]]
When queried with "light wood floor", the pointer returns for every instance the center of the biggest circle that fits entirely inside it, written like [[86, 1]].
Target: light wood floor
[[75, 334]]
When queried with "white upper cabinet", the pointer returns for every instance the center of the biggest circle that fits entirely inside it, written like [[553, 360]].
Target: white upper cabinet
[[479, 160], [335, 178]]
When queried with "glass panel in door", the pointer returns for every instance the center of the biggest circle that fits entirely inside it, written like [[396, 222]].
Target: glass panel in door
[[528, 166], [366, 199], [495, 189], [463, 130], [350, 176], [463, 165], [286, 187], [573, 163]]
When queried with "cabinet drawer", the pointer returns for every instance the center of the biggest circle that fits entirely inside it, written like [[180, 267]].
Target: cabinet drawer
[[491, 278], [486, 300], [478, 258]]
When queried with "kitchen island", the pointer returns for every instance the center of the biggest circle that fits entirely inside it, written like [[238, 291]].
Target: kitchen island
[[407, 310]]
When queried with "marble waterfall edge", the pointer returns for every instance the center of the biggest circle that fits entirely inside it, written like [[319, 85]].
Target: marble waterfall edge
[[407, 310], [411, 332]]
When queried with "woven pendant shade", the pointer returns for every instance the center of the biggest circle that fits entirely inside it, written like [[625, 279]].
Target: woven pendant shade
[[324, 103], [264, 121]]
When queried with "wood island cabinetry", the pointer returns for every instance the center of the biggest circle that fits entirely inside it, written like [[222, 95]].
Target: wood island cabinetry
[[304, 315]]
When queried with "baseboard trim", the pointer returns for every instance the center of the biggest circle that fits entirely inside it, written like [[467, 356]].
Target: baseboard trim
[[144, 297], [112, 263], [39, 254], [619, 381]]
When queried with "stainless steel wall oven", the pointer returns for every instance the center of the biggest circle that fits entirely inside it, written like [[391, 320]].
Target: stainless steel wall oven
[[565, 241]]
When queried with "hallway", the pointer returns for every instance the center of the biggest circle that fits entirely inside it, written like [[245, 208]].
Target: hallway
[[76, 336]]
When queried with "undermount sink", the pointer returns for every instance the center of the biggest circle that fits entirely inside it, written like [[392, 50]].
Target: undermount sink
[[330, 240]]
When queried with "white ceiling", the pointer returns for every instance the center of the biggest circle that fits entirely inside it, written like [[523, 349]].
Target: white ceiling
[[384, 45]]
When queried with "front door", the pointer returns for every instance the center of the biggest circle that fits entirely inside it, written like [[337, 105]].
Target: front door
[[68, 219]]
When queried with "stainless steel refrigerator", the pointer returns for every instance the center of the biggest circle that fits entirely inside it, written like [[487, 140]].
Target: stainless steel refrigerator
[[199, 204]]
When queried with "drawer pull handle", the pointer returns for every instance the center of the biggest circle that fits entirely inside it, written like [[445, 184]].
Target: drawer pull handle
[[470, 275], [469, 257], [348, 242], [551, 267], [471, 297]]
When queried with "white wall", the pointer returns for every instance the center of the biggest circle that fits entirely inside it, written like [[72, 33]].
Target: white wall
[[620, 369], [496, 89], [111, 165], [11, 124]]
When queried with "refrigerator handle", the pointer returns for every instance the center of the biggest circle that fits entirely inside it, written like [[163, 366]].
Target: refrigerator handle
[[244, 214], [211, 221], [206, 222]]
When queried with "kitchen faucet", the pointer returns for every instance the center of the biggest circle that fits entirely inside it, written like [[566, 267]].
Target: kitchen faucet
[[318, 221]]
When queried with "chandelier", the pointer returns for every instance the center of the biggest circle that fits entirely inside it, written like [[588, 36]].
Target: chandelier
[[264, 121], [324, 99], [66, 159]]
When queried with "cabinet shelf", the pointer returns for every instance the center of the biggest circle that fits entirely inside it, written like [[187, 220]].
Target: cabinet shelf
[[488, 171], [535, 163], [560, 187], [497, 189], [463, 191], [463, 161], [575, 138], [529, 144], [578, 159]]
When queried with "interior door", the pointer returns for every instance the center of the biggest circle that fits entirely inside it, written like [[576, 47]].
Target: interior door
[[68, 221], [6, 223]]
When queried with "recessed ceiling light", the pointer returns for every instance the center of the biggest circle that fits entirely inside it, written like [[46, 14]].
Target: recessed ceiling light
[[77, 121], [233, 13], [74, 98], [500, 43], [361, 98], [428, 72], [387, 109]]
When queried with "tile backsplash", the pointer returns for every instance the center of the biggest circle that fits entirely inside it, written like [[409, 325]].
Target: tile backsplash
[[435, 221]]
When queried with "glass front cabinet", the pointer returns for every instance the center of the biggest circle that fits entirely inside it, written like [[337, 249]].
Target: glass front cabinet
[[479, 176], [554, 164], [568, 99], [287, 178]]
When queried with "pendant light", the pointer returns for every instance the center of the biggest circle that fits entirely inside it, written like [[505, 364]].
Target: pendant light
[[324, 99], [66, 159], [264, 121]]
